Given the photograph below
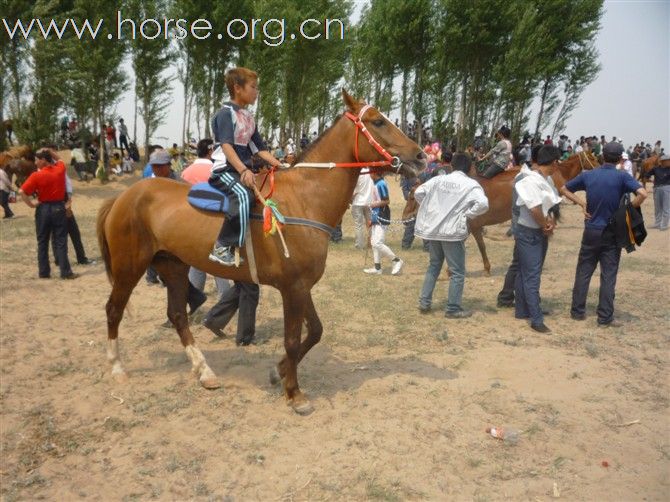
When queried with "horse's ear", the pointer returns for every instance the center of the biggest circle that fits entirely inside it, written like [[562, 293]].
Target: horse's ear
[[352, 105]]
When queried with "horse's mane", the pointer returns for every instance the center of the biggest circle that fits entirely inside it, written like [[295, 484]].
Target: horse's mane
[[19, 150], [313, 144]]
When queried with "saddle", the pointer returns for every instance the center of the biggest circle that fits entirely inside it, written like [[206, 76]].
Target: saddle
[[206, 197]]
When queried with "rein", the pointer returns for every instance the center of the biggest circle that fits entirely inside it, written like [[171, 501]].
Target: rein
[[389, 160], [581, 163]]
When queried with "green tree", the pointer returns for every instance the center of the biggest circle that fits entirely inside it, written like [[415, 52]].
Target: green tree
[[150, 59]]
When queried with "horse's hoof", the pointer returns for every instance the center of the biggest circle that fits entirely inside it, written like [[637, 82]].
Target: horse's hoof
[[275, 378], [210, 383], [302, 408]]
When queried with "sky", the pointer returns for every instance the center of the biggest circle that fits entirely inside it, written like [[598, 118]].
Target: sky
[[630, 98]]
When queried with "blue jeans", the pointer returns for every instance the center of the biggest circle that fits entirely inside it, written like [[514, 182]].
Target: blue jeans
[[598, 247], [530, 248], [454, 253]]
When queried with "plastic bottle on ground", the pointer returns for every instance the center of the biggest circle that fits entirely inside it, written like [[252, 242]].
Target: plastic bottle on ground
[[508, 436]]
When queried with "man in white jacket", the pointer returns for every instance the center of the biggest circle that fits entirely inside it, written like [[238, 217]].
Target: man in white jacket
[[446, 204]]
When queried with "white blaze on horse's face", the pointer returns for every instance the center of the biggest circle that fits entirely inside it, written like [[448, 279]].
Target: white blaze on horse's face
[[394, 141]]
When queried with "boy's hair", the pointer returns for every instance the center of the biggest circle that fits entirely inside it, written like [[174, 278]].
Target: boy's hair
[[204, 146], [239, 76]]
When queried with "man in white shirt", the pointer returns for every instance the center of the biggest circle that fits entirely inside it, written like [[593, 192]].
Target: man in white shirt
[[446, 204], [360, 207], [535, 197]]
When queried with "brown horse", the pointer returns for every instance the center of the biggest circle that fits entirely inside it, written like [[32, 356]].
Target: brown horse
[[499, 192], [18, 161], [646, 166], [151, 223]]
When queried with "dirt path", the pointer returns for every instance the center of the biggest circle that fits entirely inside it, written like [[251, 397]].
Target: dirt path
[[402, 399]]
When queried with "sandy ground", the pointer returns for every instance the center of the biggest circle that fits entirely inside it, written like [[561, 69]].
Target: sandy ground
[[402, 399]]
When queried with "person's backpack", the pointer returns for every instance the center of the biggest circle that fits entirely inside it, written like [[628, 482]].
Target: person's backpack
[[627, 224]]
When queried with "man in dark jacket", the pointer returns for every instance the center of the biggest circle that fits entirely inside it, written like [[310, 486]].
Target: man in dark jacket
[[604, 188]]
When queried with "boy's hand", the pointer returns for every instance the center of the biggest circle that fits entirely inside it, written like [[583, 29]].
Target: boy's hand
[[247, 178]]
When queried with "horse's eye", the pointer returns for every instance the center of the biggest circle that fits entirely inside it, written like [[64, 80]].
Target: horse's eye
[[378, 122]]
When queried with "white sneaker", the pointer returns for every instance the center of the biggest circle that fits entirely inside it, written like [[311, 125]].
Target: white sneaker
[[373, 271], [397, 267]]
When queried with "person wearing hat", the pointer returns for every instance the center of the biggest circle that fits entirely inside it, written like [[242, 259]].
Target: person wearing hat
[[161, 164], [446, 203], [48, 183], [534, 226], [625, 164], [498, 159], [661, 174], [604, 188]]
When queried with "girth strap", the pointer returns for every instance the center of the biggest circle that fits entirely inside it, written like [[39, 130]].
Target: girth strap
[[301, 221]]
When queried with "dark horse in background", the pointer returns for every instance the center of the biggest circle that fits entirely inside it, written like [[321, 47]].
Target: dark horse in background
[[19, 163], [152, 223], [499, 192]]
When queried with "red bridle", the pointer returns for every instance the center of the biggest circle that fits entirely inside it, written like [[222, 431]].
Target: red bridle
[[390, 161]]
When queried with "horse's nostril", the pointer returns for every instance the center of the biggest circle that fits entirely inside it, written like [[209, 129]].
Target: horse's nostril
[[421, 156]]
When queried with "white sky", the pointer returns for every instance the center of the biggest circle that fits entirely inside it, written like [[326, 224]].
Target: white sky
[[630, 98]]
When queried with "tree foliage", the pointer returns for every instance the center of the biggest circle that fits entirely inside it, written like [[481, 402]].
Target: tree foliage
[[457, 65]]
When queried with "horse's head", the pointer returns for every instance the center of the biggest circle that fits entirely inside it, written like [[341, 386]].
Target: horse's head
[[411, 158]]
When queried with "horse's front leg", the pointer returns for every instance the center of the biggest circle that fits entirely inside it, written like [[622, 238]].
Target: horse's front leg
[[479, 237], [295, 302]]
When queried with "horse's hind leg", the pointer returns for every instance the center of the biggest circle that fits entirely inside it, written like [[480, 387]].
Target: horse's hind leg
[[479, 237], [118, 299], [175, 275]]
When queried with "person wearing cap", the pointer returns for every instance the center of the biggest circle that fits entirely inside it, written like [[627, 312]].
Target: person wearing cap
[[48, 183], [446, 203], [498, 159], [534, 226], [159, 167], [161, 164], [625, 164], [661, 174], [604, 188]]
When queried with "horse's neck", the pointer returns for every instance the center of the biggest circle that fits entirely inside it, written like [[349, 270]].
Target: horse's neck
[[324, 194]]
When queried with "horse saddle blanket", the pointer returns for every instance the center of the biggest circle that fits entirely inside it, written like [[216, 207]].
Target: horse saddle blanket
[[206, 197]]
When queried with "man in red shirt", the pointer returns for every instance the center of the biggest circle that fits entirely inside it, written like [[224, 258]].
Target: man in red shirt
[[48, 183]]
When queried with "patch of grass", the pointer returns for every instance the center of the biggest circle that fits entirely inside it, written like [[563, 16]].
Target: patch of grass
[[376, 491], [201, 489], [474, 462], [115, 424], [532, 430], [61, 368], [591, 349]]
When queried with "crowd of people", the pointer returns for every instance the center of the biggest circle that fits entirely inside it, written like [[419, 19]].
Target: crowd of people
[[448, 197]]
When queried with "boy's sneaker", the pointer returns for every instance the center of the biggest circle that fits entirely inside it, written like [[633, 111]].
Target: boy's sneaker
[[373, 271], [397, 267], [223, 255]]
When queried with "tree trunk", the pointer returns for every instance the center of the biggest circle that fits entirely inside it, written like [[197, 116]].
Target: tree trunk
[[135, 119], [403, 102], [545, 90], [461, 118], [184, 139], [147, 125]]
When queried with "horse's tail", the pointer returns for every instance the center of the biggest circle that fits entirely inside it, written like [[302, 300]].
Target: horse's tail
[[103, 212]]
